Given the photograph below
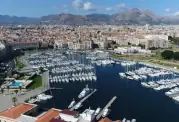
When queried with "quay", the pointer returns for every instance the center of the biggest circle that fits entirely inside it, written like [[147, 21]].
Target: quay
[[85, 98], [56, 88], [107, 106], [31, 94], [6, 99]]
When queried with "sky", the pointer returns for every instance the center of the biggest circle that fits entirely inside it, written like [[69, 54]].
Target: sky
[[37, 8]]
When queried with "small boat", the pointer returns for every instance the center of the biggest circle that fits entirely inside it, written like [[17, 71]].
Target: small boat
[[79, 105], [106, 112], [84, 92], [97, 111], [72, 104], [122, 75]]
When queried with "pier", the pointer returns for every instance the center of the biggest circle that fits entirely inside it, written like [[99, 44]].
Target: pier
[[56, 88], [106, 107], [85, 98]]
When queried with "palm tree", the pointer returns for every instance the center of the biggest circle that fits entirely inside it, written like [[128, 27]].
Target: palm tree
[[2, 90], [14, 100], [8, 87], [20, 88], [16, 91]]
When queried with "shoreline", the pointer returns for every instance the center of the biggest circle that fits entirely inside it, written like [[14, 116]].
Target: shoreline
[[151, 64]]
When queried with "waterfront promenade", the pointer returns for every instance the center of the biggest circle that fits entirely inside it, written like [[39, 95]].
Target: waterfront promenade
[[6, 98]]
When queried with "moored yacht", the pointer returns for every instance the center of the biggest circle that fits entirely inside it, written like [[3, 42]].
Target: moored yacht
[[79, 105], [84, 92], [122, 75], [97, 111], [72, 104], [106, 112]]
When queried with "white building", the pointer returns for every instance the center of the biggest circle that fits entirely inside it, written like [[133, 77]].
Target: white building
[[68, 116], [87, 116]]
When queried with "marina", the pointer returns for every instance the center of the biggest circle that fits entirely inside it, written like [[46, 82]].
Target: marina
[[125, 80], [64, 68]]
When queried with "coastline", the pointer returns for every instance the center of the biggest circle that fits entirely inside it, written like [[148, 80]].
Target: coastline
[[148, 63]]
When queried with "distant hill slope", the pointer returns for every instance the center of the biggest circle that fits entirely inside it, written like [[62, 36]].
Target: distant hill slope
[[130, 17]]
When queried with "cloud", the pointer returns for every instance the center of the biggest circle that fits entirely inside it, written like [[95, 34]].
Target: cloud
[[66, 10], [121, 5], [167, 9], [176, 13], [89, 6], [77, 4], [109, 9]]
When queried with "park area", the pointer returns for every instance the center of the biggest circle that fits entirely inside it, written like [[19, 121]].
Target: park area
[[165, 58], [37, 82], [19, 64]]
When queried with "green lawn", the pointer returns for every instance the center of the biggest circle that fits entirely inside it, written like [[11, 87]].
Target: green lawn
[[37, 82], [21, 78], [154, 59]]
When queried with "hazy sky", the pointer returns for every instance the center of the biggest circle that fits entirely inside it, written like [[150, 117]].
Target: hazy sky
[[37, 8]]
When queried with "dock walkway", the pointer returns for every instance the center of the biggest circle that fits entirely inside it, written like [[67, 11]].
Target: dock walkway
[[106, 107], [85, 98]]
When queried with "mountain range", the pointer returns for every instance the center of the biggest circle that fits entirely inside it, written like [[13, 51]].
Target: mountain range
[[130, 17]]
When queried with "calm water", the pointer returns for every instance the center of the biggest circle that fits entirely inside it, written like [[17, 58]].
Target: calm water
[[134, 101]]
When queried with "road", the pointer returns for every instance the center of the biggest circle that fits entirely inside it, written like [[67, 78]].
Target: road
[[6, 98]]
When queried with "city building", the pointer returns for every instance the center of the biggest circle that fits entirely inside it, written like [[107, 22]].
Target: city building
[[23, 45], [108, 120], [32, 113]]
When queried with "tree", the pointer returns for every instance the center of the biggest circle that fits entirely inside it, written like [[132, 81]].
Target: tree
[[2, 90], [167, 54], [16, 91], [14, 100], [8, 87], [41, 69], [176, 56], [20, 88]]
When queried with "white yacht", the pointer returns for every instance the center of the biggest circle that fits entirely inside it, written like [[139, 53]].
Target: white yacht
[[144, 84], [84, 92], [72, 104], [106, 112], [122, 75], [44, 96], [97, 111], [94, 78], [79, 105], [83, 78]]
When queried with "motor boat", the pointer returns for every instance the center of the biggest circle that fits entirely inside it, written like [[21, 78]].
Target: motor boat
[[84, 92], [97, 111], [106, 112], [79, 105], [72, 104], [44, 97]]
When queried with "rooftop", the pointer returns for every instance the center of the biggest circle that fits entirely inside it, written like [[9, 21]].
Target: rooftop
[[108, 120], [57, 120], [47, 117], [16, 111], [68, 112]]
